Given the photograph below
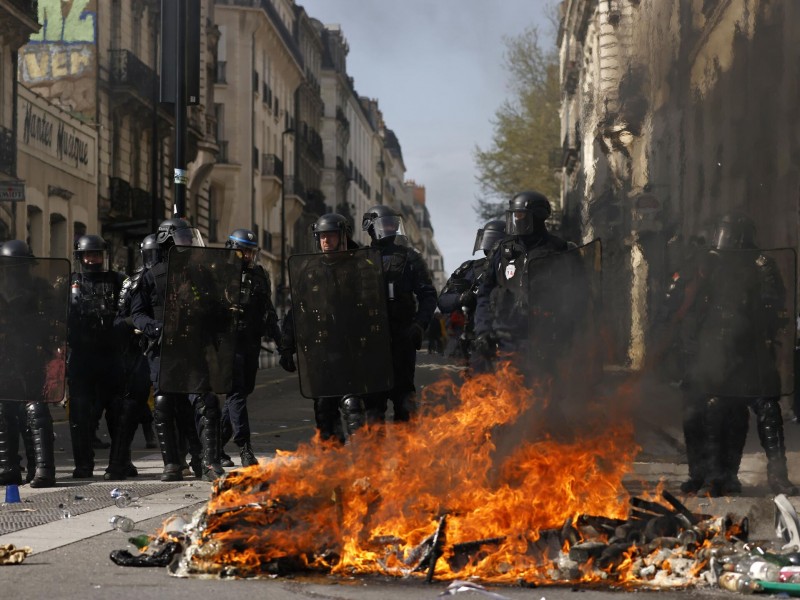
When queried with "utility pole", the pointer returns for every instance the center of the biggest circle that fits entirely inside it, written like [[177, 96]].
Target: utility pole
[[180, 79]]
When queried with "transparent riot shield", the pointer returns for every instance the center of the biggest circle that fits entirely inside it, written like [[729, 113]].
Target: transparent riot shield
[[565, 301], [34, 299], [200, 320], [341, 323], [746, 324]]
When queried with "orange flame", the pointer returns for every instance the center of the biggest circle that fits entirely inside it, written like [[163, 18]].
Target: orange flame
[[368, 506]]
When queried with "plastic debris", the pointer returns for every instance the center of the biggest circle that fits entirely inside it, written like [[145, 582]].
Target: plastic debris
[[459, 586], [161, 558], [11, 555]]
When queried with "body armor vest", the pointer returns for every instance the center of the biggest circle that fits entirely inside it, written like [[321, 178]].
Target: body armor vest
[[93, 305]]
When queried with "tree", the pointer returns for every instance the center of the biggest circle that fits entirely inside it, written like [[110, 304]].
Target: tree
[[527, 128]]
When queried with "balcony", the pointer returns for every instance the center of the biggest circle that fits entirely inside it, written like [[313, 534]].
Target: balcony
[[271, 166], [569, 154], [141, 204], [292, 186], [343, 121], [8, 151], [131, 77]]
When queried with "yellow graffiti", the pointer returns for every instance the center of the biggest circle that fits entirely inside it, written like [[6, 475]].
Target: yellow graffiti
[[54, 61], [78, 26]]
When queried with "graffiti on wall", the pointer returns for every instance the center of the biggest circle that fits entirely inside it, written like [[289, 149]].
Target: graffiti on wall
[[60, 61], [75, 27]]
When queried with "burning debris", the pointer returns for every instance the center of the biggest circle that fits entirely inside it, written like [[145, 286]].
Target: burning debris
[[436, 501]]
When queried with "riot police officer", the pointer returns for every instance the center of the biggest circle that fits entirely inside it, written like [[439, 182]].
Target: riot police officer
[[502, 307], [462, 287], [411, 300], [136, 373], [94, 368], [742, 324], [147, 312], [32, 419], [331, 233], [256, 320]]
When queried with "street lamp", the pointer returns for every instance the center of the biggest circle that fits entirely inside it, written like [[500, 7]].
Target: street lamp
[[282, 286]]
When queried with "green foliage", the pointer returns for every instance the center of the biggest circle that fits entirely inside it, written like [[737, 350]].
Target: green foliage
[[526, 128]]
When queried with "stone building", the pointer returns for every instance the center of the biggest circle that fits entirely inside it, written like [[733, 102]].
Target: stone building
[[674, 113], [259, 69], [18, 21], [99, 61]]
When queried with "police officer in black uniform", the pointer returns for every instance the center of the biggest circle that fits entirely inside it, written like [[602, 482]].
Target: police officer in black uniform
[[31, 419], [332, 233], [136, 378], [256, 320], [95, 367], [461, 290], [147, 312], [737, 308], [412, 301], [502, 307]]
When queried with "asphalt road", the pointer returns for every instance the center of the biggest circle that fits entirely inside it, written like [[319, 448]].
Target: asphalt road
[[70, 558]]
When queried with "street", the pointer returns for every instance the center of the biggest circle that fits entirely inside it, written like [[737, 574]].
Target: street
[[70, 555]]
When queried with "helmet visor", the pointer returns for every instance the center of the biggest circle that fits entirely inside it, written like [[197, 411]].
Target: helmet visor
[[91, 261], [188, 236], [725, 238], [388, 227], [249, 255], [519, 222], [150, 257]]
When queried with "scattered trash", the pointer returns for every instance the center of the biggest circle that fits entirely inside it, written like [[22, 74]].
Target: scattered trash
[[141, 541], [123, 498], [161, 558], [175, 526], [11, 555], [787, 523], [121, 523], [66, 513], [468, 586]]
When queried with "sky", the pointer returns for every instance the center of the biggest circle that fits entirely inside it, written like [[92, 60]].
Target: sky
[[436, 69]]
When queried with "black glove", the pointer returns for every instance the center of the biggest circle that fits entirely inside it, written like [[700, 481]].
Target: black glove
[[467, 299], [485, 345], [415, 333], [287, 361]]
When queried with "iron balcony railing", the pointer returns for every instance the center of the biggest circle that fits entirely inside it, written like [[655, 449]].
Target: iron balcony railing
[[8, 151], [128, 71], [271, 166]]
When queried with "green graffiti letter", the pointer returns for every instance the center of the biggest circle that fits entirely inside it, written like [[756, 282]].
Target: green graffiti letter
[[51, 20], [79, 27]]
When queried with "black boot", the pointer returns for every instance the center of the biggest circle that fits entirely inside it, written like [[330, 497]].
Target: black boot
[[189, 439], [41, 425], [208, 407], [247, 455], [164, 419], [9, 444], [82, 434], [770, 433], [735, 436], [694, 438], [716, 412], [30, 454], [328, 421], [124, 429], [353, 414]]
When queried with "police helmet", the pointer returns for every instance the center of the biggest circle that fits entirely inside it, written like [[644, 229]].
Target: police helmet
[[331, 223], [178, 232], [15, 248], [527, 212], [91, 254], [245, 242], [489, 236], [150, 251], [734, 231], [382, 222]]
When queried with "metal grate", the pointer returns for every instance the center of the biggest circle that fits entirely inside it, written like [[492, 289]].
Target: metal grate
[[39, 509]]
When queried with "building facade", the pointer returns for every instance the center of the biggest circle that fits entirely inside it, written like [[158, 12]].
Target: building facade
[[673, 114], [18, 21], [99, 61]]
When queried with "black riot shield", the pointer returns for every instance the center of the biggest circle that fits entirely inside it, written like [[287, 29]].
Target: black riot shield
[[200, 319], [746, 328], [564, 302], [34, 299], [341, 323]]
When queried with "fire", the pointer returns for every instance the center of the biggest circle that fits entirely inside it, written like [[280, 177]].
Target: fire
[[478, 471]]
